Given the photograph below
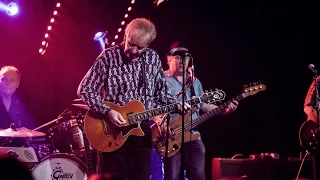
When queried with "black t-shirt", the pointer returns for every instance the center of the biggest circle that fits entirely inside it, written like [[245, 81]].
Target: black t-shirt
[[14, 115]]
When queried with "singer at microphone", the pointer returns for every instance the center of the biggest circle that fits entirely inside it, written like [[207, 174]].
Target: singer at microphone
[[184, 86]]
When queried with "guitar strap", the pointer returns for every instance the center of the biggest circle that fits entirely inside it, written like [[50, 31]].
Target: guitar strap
[[189, 85]]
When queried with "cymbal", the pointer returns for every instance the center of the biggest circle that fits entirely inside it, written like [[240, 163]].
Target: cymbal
[[81, 106], [78, 101], [20, 132]]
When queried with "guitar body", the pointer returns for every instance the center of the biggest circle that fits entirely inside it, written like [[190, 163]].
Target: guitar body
[[175, 139], [105, 137], [307, 135]]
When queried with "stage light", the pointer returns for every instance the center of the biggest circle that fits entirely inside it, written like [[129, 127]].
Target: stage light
[[53, 20], [99, 35], [12, 9], [101, 38]]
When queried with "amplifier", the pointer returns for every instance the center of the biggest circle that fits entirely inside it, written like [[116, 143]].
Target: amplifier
[[23, 154], [264, 169]]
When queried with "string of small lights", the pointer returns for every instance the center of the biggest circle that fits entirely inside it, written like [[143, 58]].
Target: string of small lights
[[45, 42], [121, 28]]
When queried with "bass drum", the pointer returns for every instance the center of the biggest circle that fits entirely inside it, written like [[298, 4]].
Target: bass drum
[[60, 166]]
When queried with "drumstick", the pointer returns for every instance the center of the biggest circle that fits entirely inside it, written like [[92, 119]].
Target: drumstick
[[46, 124]]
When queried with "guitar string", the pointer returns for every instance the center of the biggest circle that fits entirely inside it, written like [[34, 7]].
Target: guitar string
[[197, 121]]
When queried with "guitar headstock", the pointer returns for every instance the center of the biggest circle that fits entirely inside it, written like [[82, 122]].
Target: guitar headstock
[[253, 89], [214, 96]]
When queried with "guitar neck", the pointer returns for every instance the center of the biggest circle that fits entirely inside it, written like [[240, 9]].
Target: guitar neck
[[191, 124], [138, 117]]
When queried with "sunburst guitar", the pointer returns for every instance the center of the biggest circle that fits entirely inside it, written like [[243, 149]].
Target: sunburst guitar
[[175, 130], [105, 137]]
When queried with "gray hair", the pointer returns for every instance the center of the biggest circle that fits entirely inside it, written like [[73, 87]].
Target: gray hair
[[143, 24], [5, 69]]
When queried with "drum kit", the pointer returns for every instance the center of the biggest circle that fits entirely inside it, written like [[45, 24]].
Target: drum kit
[[62, 158]]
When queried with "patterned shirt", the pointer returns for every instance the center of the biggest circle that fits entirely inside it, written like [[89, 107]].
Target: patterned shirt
[[310, 98], [123, 80]]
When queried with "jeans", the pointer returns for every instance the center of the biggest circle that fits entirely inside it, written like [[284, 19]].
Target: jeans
[[194, 162], [131, 161], [314, 166], [156, 166]]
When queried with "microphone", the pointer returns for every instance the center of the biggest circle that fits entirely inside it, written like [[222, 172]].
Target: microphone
[[312, 68], [181, 51]]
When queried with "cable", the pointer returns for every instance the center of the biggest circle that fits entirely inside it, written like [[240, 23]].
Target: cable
[[302, 165]]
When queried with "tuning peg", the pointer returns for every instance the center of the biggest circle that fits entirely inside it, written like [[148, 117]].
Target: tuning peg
[[216, 89], [245, 86], [206, 91]]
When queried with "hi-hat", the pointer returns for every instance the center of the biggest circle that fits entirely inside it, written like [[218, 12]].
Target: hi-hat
[[20, 132]]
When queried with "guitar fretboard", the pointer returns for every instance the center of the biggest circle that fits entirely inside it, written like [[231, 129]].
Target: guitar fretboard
[[191, 124], [133, 118]]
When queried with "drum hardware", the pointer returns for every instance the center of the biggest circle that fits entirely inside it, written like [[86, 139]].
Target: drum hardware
[[87, 149], [12, 153], [7, 140], [23, 154], [66, 136]]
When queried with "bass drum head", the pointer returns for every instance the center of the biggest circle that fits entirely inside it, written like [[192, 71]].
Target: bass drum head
[[60, 166]]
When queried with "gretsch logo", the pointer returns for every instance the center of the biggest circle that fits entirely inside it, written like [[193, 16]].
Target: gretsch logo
[[58, 174]]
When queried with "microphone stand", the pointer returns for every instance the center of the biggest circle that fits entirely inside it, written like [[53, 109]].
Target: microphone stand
[[318, 122], [98, 158], [182, 120], [167, 148]]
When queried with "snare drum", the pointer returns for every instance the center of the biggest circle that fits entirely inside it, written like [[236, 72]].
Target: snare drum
[[60, 166], [67, 137]]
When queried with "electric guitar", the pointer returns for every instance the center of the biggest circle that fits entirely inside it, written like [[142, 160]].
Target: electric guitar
[[175, 130], [105, 137], [308, 135]]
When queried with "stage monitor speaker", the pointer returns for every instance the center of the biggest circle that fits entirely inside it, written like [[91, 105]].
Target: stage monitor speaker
[[271, 169]]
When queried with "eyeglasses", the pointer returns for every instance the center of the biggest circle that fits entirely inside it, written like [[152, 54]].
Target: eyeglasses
[[131, 44]]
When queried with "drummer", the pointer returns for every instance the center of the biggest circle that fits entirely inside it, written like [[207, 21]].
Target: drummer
[[10, 106], [11, 109]]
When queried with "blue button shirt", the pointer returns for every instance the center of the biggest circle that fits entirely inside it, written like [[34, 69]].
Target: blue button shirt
[[176, 86]]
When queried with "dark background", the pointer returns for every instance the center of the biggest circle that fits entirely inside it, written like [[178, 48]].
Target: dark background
[[233, 44]]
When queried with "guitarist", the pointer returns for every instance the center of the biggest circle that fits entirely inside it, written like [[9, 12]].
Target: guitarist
[[128, 71], [310, 108], [195, 150]]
